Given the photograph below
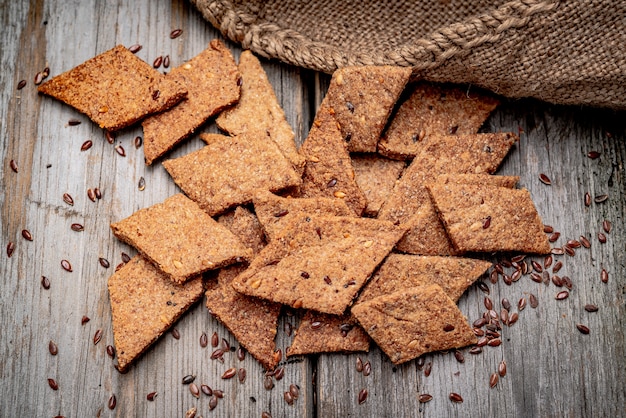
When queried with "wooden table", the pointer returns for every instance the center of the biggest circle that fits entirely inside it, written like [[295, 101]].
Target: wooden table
[[552, 368]]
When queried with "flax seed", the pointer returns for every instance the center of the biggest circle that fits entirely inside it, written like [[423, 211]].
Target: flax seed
[[241, 375], [151, 396], [158, 61], [280, 373], [91, 195], [175, 333], [97, 337], [591, 308], [241, 354], [455, 397], [428, 367], [109, 137], [206, 389], [66, 265], [84, 320], [475, 350], [175, 33], [424, 397], [204, 340], [135, 48], [554, 236], [502, 368], [545, 179], [587, 199], [86, 145], [601, 198], [604, 276], [606, 225], [562, 295], [195, 391], [288, 398], [188, 379], [120, 150], [166, 61], [362, 396], [548, 229], [459, 356], [52, 348], [45, 282], [493, 380], [367, 368], [533, 301], [21, 84], [582, 328], [110, 351], [601, 238], [53, 384], [104, 262], [593, 154], [10, 249], [359, 364], [27, 235]]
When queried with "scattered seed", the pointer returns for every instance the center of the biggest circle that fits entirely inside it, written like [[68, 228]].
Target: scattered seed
[[241, 375], [521, 304], [91, 195], [562, 295], [493, 276], [218, 393], [135, 48], [557, 267], [367, 368], [557, 281], [476, 350], [268, 383], [112, 402], [512, 319], [241, 354], [204, 340], [191, 412], [502, 368], [195, 391], [110, 351], [591, 308], [52, 348], [109, 137], [84, 320], [278, 355], [53, 384], [569, 250], [459, 356], [483, 286], [601, 238], [175, 333], [73, 122], [45, 282], [488, 303], [582, 328], [294, 390], [158, 61], [359, 365], [545, 179], [455, 397], [600, 198], [288, 398], [493, 380], [120, 150], [229, 373], [27, 235], [584, 242], [567, 282], [151, 396], [66, 265], [125, 257], [606, 225], [604, 276], [21, 84], [425, 397], [486, 222], [206, 389], [280, 372], [533, 301], [188, 379], [10, 249], [86, 145], [266, 414], [38, 78], [97, 336], [362, 396], [166, 61], [428, 367], [104, 262], [217, 354], [593, 154], [176, 33], [548, 229]]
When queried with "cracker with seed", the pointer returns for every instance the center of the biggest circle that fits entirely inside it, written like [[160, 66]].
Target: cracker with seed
[[144, 304], [361, 99], [488, 218], [258, 111], [434, 109], [414, 321], [328, 171], [426, 234], [229, 171], [324, 333], [180, 238], [115, 89], [212, 81], [275, 211], [399, 271], [375, 176], [246, 226], [319, 263]]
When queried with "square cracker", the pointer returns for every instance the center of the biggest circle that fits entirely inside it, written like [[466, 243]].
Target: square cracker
[[229, 171], [274, 212], [489, 218], [258, 111], [212, 81], [311, 263], [426, 234], [324, 333], [180, 238], [144, 304], [399, 271], [434, 109], [375, 176], [361, 99], [115, 89], [244, 225], [410, 322], [328, 171]]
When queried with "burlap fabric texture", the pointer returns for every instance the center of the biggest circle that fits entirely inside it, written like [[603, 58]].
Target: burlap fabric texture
[[566, 52]]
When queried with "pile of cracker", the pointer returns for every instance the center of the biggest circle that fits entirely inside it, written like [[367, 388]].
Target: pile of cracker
[[365, 228]]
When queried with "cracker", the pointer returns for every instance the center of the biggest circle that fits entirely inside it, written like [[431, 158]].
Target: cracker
[[230, 170], [180, 238], [115, 89], [399, 271], [245, 225], [311, 263], [488, 218], [275, 211], [361, 99], [434, 109], [426, 234], [375, 176], [414, 321], [323, 333], [144, 304], [258, 111], [212, 81], [328, 171]]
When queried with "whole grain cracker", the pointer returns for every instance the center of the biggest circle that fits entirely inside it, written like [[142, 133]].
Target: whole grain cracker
[[488, 218], [229, 171], [144, 304], [244, 225], [311, 263], [361, 99], [212, 81], [276, 211], [328, 171], [115, 89], [434, 109], [258, 111], [414, 321], [376, 176], [180, 238], [324, 333]]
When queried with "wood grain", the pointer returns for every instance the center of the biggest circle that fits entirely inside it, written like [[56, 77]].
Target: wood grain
[[553, 369]]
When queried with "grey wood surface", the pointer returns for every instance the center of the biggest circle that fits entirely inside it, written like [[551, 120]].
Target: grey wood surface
[[552, 369]]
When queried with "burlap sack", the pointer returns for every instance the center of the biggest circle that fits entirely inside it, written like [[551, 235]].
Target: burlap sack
[[568, 52]]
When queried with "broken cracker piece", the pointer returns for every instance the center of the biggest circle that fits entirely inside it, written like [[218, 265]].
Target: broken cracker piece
[[180, 238], [311, 263], [434, 109], [144, 304], [244, 225], [276, 211], [414, 321], [115, 89], [258, 111], [324, 333], [229, 171], [212, 81], [487, 218], [361, 99], [376, 176]]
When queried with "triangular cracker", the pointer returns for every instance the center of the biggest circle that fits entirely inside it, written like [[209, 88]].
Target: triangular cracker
[[115, 89], [276, 211], [212, 81], [376, 176], [144, 304], [434, 109], [324, 333], [488, 218], [180, 238], [414, 321], [230, 170], [258, 111], [328, 171], [311, 263], [361, 99]]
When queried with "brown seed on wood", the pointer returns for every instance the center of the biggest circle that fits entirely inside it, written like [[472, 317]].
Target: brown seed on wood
[[176, 33], [547, 261], [601, 238], [367, 368], [554, 236], [151, 396], [294, 390], [558, 282], [120, 150], [206, 389], [166, 61], [536, 266], [591, 308], [483, 286], [573, 243], [582, 328], [557, 251], [84, 320], [218, 393], [567, 282], [97, 336], [493, 380], [513, 319], [268, 383], [66, 265], [562, 295], [91, 195], [455, 397], [217, 354], [493, 276], [584, 242], [601, 198], [175, 333], [532, 299], [521, 304], [587, 199], [488, 303], [593, 154], [134, 48], [495, 342], [53, 384], [507, 280], [557, 266], [278, 355], [111, 351], [569, 250], [280, 373], [424, 397], [10, 249], [195, 391], [21, 84], [138, 142], [67, 198], [109, 137], [86, 145], [45, 282], [362, 396], [125, 257], [475, 350], [158, 61], [604, 276], [27, 235], [545, 179], [191, 412], [52, 348], [548, 229], [225, 345], [204, 340], [241, 375], [536, 277], [459, 356], [188, 379], [606, 225], [359, 364], [478, 332], [13, 166], [266, 414], [288, 398], [38, 78], [428, 367], [502, 368], [73, 122], [104, 262], [241, 354]]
